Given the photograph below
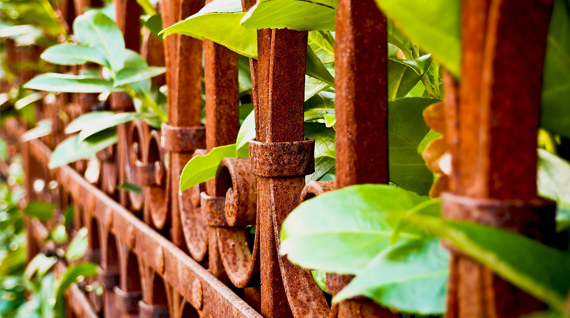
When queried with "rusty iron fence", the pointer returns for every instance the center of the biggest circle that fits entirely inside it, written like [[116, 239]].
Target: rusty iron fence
[[162, 254]]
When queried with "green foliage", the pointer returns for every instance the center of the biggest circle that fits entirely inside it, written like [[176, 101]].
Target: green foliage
[[291, 14], [532, 266], [72, 149], [553, 183], [203, 168], [43, 211], [556, 80]]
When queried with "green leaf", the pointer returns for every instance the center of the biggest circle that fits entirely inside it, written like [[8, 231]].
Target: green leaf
[[352, 227], [410, 276], [147, 6], [245, 134], [64, 83], [47, 289], [154, 24], [556, 79], [299, 15], [28, 100], [77, 247], [71, 149], [71, 275], [431, 135], [133, 59], [406, 130], [86, 120], [129, 75], [70, 54], [39, 264], [203, 168], [58, 234], [433, 25], [396, 38], [316, 68], [553, 183], [98, 31], [313, 86], [109, 122], [69, 215], [244, 74], [322, 43], [403, 75], [318, 106], [40, 210], [324, 137], [226, 16], [43, 128], [531, 265], [320, 278], [323, 165], [130, 187]]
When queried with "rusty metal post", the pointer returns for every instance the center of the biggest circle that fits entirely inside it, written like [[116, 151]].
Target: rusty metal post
[[183, 133], [280, 157], [361, 104], [492, 175], [222, 119]]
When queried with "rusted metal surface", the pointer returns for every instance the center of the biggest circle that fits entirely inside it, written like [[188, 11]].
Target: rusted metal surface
[[486, 164], [197, 254], [361, 106]]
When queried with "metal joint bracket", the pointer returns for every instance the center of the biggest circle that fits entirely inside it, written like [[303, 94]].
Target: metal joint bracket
[[282, 159], [182, 139], [534, 218]]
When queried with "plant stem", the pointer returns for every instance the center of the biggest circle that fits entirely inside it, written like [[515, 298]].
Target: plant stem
[[147, 101]]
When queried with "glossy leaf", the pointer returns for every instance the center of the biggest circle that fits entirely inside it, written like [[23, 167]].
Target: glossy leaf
[[531, 266], [98, 31], [324, 137], [70, 276], [154, 24], [39, 264], [203, 168], [226, 16], [410, 276], [28, 100], [553, 183], [88, 119], [322, 43], [43, 128], [129, 75], [64, 83], [58, 234], [403, 75], [316, 68], [313, 86], [109, 122], [556, 80], [431, 135], [352, 227], [71, 54], [245, 134], [323, 165], [318, 106], [406, 130], [40, 210], [433, 25], [291, 14], [71, 149], [130, 187], [77, 247]]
